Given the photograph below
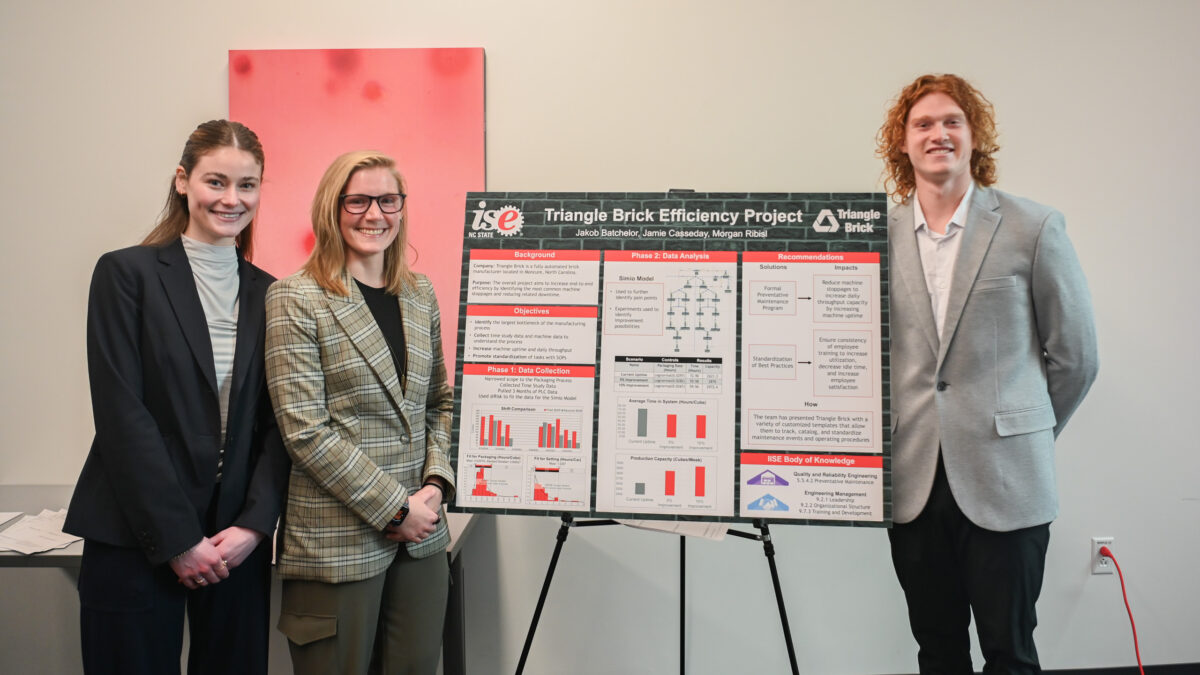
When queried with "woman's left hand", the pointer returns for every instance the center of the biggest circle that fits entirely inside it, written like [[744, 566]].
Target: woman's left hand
[[236, 543]]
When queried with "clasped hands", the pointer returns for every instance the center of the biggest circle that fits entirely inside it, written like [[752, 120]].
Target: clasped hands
[[424, 512], [211, 560]]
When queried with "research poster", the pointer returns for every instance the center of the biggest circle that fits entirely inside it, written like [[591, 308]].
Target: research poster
[[710, 356]]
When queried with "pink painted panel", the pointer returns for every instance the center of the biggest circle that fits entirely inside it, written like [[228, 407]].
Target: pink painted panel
[[422, 106]]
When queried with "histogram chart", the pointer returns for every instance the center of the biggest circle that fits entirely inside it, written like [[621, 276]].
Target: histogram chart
[[684, 424], [554, 485], [539, 428], [497, 481], [645, 482]]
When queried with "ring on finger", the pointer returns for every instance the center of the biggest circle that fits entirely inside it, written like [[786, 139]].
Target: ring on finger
[[201, 580]]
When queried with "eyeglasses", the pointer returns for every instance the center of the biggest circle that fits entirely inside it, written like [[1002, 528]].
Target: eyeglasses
[[356, 204]]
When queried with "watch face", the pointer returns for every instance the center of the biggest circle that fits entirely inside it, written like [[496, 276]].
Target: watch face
[[400, 515]]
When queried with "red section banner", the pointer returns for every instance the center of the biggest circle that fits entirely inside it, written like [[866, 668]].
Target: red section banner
[[528, 371], [810, 257], [670, 256], [526, 254], [531, 311], [845, 461]]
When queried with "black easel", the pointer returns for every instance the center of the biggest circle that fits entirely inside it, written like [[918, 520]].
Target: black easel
[[568, 521], [764, 536], [682, 598], [769, 551]]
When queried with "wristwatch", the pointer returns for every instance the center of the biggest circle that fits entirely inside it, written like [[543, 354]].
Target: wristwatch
[[400, 515]]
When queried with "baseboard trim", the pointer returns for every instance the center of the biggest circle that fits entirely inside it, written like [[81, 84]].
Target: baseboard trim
[[1165, 669]]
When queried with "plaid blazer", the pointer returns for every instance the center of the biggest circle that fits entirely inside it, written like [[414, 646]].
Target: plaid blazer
[[359, 438]]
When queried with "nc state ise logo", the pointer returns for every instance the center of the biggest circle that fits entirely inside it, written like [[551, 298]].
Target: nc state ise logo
[[507, 220]]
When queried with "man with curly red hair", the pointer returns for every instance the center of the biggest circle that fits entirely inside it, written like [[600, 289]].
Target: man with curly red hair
[[993, 347]]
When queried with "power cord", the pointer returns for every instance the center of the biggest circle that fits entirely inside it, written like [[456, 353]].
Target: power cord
[[1104, 551]]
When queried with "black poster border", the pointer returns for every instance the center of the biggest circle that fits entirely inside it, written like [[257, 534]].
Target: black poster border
[[534, 231]]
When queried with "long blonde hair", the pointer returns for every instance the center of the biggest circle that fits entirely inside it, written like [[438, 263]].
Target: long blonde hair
[[327, 264]]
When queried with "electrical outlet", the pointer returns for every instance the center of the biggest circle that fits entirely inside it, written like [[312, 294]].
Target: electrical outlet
[[1101, 564]]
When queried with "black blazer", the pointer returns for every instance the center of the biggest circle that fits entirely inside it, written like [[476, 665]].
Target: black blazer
[[150, 475]]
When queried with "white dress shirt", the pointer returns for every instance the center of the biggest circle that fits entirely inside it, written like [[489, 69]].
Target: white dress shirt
[[938, 253]]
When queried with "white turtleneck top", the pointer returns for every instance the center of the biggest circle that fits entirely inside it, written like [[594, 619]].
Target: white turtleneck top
[[215, 269]]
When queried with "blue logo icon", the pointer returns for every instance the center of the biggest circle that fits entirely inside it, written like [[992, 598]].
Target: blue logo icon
[[767, 503]]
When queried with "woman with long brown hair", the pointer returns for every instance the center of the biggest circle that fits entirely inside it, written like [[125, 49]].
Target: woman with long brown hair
[[183, 484]]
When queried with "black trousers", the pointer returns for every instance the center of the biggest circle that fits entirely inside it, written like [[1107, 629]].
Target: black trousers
[[949, 567], [131, 615]]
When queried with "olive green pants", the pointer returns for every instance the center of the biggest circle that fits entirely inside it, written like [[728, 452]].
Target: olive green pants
[[390, 624]]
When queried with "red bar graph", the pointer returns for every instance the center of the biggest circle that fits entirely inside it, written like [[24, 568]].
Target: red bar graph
[[513, 426], [670, 484], [671, 425], [701, 426], [494, 432], [555, 436], [700, 477]]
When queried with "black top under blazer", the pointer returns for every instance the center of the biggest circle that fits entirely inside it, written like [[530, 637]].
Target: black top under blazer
[[150, 475]]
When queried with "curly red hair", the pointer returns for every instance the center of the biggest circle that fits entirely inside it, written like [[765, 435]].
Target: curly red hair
[[899, 180]]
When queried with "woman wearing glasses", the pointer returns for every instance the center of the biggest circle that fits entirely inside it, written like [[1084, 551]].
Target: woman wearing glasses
[[185, 478], [354, 365]]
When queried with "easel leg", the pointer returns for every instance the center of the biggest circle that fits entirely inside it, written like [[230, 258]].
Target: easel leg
[[769, 551], [682, 600], [537, 614]]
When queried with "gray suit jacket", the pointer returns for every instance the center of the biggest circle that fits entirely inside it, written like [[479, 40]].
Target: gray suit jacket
[[1017, 356]]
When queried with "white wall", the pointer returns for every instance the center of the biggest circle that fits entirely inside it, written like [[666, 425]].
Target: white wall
[[1097, 104]]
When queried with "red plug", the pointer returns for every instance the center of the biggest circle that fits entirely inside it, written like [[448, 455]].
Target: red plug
[[1104, 551]]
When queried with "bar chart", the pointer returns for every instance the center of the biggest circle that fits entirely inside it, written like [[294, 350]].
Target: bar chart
[[684, 424], [645, 482], [528, 428]]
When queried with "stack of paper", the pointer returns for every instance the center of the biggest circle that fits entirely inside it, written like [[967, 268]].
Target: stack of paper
[[34, 534], [691, 528]]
